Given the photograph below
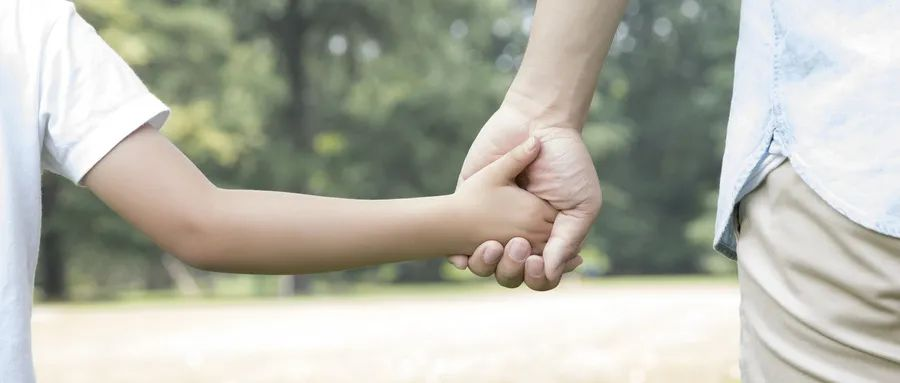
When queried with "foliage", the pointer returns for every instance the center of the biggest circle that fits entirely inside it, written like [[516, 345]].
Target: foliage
[[668, 83]]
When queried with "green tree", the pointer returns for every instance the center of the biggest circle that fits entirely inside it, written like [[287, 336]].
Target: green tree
[[668, 81]]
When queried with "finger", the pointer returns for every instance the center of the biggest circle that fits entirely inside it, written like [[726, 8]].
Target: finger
[[511, 270], [459, 261], [511, 164], [535, 277], [573, 264], [569, 230], [485, 258]]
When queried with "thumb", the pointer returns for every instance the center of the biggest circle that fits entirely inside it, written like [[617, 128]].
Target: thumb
[[569, 231], [511, 164]]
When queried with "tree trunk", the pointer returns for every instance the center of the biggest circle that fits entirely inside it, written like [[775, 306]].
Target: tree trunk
[[156, 276], [178, 272], [51, 265], [289, 35], [420, 271]]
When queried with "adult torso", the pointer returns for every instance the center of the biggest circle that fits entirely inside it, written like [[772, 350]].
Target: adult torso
[[818, 82]]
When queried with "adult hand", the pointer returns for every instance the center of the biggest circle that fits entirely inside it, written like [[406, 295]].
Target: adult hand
[[563, 175]]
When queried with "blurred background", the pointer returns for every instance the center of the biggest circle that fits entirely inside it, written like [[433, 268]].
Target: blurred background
[[381, 99]]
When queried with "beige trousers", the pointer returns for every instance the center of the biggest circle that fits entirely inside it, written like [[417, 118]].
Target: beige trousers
[[820, 294]]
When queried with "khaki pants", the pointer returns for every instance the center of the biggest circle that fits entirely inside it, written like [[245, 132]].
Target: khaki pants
[[820, 295]]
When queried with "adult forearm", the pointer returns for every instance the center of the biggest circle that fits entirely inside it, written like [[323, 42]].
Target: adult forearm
[[285, 233], [567, 45]]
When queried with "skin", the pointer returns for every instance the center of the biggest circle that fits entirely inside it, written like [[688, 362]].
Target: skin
[[267, 232], [549, 99]]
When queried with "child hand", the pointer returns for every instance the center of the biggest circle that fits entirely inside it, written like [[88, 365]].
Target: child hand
[[495, 208]]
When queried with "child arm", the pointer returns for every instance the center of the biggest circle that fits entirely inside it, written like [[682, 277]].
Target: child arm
[[149, 182]]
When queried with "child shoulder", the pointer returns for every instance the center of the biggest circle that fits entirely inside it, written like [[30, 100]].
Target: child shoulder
[[38, 12]]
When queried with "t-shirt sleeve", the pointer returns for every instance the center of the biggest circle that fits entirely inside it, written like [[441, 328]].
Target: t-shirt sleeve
[[90, 98]]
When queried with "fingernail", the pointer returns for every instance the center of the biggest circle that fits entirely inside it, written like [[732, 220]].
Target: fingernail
[[531, 143], [517, 251], [492, 257]]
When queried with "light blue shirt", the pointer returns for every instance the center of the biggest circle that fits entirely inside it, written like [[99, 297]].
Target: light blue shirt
[[817, 82]]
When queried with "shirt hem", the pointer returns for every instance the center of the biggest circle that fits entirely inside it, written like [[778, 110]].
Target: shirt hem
[[891, 228], [888, 227]]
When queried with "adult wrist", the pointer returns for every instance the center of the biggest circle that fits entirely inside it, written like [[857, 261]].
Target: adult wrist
[[540, 111]]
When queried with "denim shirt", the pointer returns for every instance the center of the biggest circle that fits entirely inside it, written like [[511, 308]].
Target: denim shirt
[[817, 82]]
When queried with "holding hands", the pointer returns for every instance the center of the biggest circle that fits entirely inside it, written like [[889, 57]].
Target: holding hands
[[549, 99], [562, 174], [494, 207]]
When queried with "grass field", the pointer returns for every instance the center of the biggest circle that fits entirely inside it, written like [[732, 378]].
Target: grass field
[[614, 330]]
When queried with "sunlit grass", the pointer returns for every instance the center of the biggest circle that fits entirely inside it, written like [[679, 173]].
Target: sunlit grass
[[248, 289]]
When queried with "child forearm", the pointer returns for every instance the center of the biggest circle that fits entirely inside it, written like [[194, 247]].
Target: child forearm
[[285, 233], [150, 183], [155, 187]]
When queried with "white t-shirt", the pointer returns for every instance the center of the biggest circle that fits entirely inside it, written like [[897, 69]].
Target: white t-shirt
[[66, 99]]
